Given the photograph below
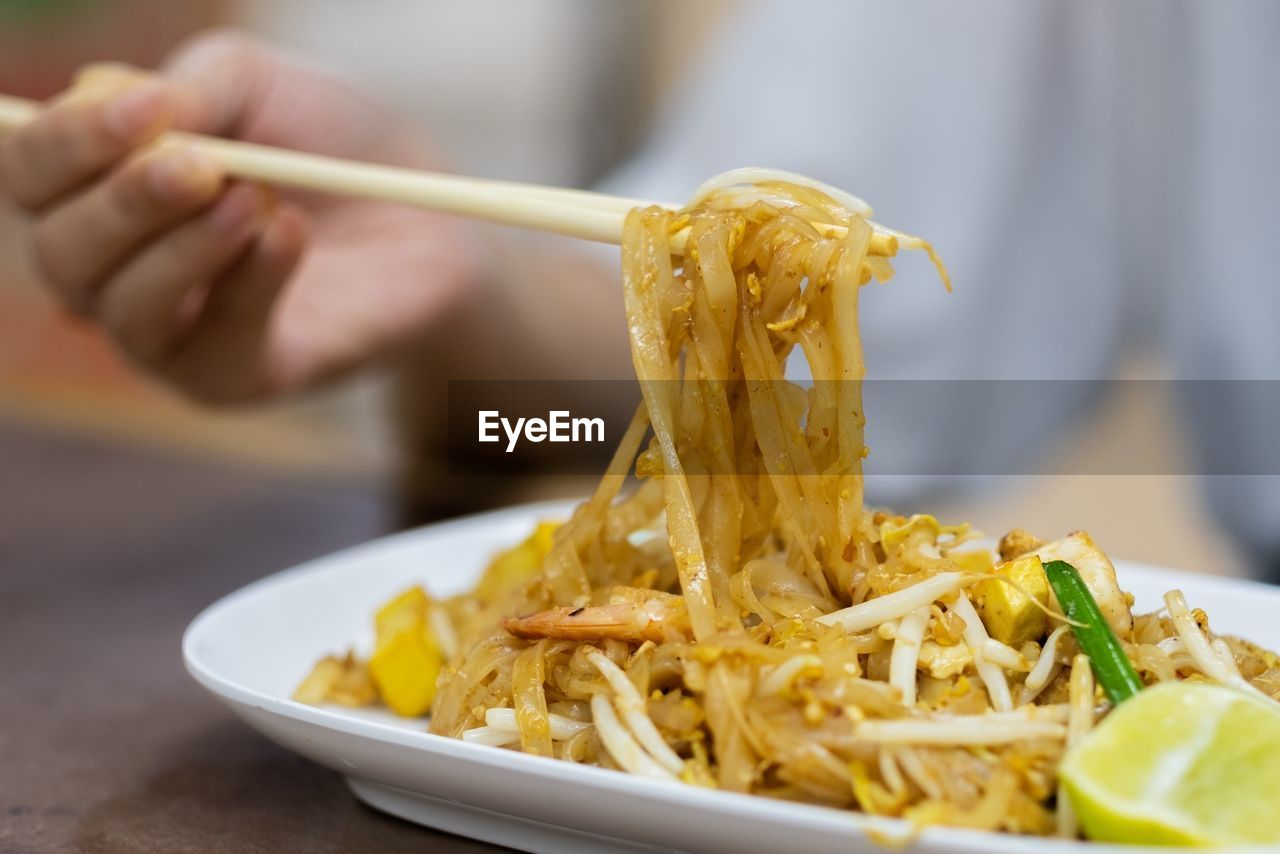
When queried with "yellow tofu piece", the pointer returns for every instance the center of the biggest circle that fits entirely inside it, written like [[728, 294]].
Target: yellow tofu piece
[[403, 613], [1008, 612], [405, 669], [517, 564], [407, 658]]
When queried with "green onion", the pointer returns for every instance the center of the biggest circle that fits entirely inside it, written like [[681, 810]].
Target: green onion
[[1115, 674]]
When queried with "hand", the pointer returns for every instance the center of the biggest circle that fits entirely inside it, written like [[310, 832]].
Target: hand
[[223, 288]]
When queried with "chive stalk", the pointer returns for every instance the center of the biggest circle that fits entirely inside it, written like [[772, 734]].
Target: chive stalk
[[1112, 667]]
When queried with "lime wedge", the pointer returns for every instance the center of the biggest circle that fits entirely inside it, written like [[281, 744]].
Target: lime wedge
[[1181, 763]]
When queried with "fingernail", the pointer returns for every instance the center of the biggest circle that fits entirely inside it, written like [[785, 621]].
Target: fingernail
[[182, 175], [134, 114], [237, 209]]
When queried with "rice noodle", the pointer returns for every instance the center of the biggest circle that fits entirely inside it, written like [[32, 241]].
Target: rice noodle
[[527, 678], [755, 177], [971, 730]]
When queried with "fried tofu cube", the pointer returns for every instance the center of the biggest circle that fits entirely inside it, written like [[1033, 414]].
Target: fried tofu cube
[[405, 669], [1008, 611], [405, 612], [407, 658]]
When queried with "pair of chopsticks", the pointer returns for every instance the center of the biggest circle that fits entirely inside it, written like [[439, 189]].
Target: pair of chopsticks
[[576, 213]]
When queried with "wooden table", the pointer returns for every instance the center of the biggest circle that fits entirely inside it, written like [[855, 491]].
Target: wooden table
[[106, 745]]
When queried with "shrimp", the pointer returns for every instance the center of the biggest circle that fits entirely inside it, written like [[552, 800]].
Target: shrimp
[[632, 614]]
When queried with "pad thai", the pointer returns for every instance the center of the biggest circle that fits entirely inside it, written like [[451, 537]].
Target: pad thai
[[734, 615]]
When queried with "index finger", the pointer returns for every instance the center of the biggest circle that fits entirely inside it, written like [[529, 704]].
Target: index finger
[[80, 134]]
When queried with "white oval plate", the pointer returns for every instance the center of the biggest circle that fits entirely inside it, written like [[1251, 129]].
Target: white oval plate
[[252, 648]]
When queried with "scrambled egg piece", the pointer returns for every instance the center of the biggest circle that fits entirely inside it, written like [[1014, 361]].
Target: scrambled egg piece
[[973, 561], [896, 530], [944, 662], [408, 659], [517, 564]]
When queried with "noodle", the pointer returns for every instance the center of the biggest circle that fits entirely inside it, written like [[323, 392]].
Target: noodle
[[782, 638]]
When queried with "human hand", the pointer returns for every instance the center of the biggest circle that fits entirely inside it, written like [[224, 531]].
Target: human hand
[[226, 289]]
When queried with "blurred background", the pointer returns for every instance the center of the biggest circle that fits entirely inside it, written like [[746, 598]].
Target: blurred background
[[590, 77]]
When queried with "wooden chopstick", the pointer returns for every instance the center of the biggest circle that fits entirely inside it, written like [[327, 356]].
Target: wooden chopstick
[[575, 213]]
